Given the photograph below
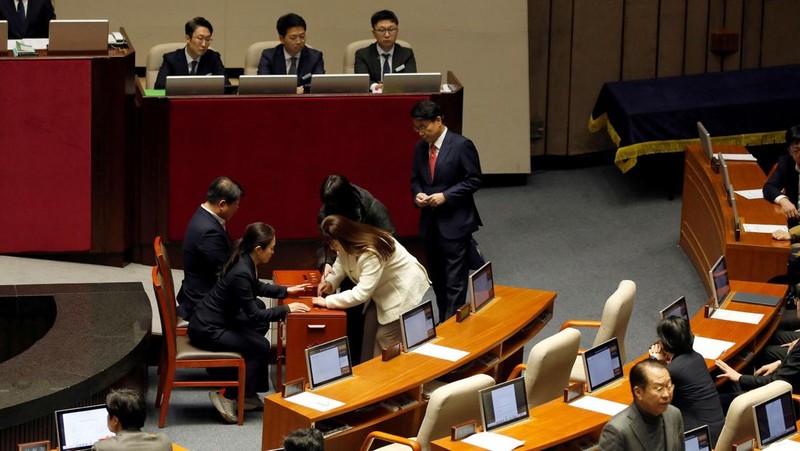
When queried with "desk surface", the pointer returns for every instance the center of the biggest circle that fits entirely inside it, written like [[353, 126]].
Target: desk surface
[[556, 422], [502, 327]]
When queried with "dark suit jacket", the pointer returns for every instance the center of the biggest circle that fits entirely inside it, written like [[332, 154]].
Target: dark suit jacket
[[233, 294], [789, 371], [458, 175], [695, 394], [206, 246], [38, 17], [785, 178], [175, 64], [369, 61], [273, 63], [626, 431]]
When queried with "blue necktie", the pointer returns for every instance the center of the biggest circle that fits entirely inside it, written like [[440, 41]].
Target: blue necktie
[[386, 68], [21, 13]]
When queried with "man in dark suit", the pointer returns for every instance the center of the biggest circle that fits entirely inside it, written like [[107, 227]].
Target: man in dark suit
[[27, 18], [292, 56], [206, 244], [445, 175], [384, 55], [194, 59], [637, 428], [782, 186], [787, 370]]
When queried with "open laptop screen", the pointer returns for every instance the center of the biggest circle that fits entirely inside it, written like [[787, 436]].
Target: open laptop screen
[[328, 362], [192, 85], [481, 287], [603, 364], [698, 439], [414, 82], [718, 274], [417, 326], [774, 419], [504, 404], [81, 427], [676, 308]]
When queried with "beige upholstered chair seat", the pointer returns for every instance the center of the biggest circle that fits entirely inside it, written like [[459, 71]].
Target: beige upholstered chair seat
[[185, 351], [350, 52], [738, 425], [253, 55], [154, 59], [550, 361]]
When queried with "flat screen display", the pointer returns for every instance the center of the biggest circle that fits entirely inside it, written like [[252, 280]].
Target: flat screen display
[[676, 308], [603, 364], [698, 439], [81, 427], [417, 326], [705, 141], [328, 362], [774, 419], [481, 287], [504, 404], [718, 274]]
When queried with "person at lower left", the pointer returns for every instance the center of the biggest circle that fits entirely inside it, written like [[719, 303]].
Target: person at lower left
[[650, 422], [309, 439], [126, 414], [196, 58], [215, 325], [389, 280]]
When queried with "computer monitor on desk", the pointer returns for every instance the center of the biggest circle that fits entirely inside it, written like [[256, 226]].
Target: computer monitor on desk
[[418, 82], [78, 429], [267, 84], [195, 85], [417, 326], [720, 285], [4, 34], [78, 36], [339, 83], [705, 142], [328, 362], [698, 439], [504, 404], [676, 308], [774, 419], [726, 178], [481, 287], [603, 365]]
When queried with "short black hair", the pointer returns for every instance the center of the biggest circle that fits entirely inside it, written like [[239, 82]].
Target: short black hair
[[426, 109], [675, 335], [128, 406], [287, 21], [384, 14], [793, 134], [638, 374], [224, 188], [304, 440], [198, 21]]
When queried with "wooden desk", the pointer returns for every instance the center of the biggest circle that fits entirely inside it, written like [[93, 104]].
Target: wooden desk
[[501, 329], [556, 422], [707, 220]]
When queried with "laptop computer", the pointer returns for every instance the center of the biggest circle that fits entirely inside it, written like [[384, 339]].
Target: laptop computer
[[79, 428], [676, 308], [504, 404], [78, 36], [481, 287], [339, 83], [419, 82], [328, 362], [720, 284], [697, 439], [603, 365], [194, 85], [417, 326], [774, 419], [268, 84], [4, 34], [726, 178]]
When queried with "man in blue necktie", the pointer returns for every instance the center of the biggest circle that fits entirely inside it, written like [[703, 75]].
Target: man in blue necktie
[[27, 18]]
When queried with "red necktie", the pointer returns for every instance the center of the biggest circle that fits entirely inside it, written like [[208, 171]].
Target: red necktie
[[432, 158]]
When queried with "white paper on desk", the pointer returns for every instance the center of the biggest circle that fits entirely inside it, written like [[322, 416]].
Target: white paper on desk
[[784, 445], [750, 193], [493, 442], [739, 317], [314, 401], [711, 348], [36, 43], [598, 405], [441, 352], [764, 228], [738, 157]]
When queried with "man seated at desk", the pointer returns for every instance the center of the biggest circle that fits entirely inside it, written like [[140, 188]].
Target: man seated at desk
[[384, 56], [787, 370], [27, 18], [782, 186], [651, 422], [196, 58], [126, 415], [292, 56]]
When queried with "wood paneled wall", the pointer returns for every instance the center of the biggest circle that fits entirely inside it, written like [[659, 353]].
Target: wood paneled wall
[[577, 45]]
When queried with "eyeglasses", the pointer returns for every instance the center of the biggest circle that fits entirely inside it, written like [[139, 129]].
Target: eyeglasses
[[385, 30], [660, 388], [296, 37], [794, 147], [421, 127], [207, 39]]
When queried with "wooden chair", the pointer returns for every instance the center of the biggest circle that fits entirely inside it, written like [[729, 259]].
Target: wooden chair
[[181, 354], [165, 269]]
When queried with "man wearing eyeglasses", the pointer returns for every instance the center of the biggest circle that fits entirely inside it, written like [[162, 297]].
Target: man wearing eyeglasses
[[196, 58], [782, 186], [27, 18], [292, 56], [384, 56]]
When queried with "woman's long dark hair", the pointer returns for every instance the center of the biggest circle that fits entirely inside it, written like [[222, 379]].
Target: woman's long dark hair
[[255, 235], [356, 237]]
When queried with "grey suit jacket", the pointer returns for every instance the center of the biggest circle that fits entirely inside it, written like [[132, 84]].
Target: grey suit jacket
[[134, 440], [625, 431]]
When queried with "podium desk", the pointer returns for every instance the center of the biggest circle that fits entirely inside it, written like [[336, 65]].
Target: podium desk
[[556, 422], [67, 145], [707, 220], [494, 338]]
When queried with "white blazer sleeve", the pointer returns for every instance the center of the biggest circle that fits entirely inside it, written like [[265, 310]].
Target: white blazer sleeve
[[370, 270], [335, 278]]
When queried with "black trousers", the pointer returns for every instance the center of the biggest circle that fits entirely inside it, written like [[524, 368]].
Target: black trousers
[[448, 268]]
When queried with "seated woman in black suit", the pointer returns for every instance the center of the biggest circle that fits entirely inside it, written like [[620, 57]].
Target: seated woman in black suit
[[214, 325], [695, 394]]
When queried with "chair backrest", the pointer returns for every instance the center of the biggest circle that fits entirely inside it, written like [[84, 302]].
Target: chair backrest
[[164, 267], [616, 314], [452, 404], [253, 55], [549, 365], [167, 314], [350, 52], [154, 59], [738, 425]]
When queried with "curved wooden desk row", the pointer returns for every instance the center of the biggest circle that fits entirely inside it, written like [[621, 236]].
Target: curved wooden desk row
[[500, 330], [556, 422], [707, 220]]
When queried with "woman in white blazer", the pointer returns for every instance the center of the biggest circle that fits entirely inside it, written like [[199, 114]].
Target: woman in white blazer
[[384, 273]]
